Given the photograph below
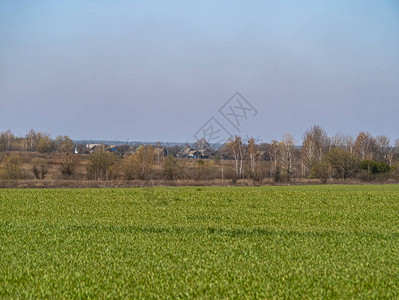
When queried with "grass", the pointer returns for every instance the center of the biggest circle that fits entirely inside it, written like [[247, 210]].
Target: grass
[[288, 242]]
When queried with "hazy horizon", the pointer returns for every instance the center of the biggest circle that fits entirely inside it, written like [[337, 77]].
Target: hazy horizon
[[157, 70]]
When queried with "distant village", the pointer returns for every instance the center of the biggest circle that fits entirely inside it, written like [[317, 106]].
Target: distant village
[[176, 151], [326, 158]]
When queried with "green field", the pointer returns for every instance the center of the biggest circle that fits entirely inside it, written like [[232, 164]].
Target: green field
[[290, 242]]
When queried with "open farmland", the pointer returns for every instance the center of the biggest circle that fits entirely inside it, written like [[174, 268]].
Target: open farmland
[[293, 242]]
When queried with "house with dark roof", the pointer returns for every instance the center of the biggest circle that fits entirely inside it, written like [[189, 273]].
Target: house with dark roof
[[189, 153]]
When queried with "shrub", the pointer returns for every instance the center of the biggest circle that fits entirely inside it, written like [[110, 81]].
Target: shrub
[[99, 165], [343, 163], [139, 165], [68, 164], [321, 170], [170, 168], [39, 168], [11, 169], [374, 167]]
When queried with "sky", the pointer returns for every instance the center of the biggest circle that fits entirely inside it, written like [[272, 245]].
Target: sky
[[159, 70]]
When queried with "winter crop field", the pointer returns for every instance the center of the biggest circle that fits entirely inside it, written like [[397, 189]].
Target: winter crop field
[[213, 242]]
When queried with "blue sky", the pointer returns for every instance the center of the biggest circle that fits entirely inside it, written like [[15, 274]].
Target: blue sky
[[158, 70]]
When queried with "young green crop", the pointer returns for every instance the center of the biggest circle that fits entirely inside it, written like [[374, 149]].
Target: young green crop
[[291, 242]]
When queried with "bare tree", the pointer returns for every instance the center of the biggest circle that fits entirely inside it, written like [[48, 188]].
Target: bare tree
[[31, 138], [139, 165], [287, 155], [364, 146], [383, 149], [254, 161], [64, 144], [9, 138], [99, 165], [315, 144], [6, 139], [342, 142], [252, 154], [44, 143], [236, 150], [395, 150], [273, 152]]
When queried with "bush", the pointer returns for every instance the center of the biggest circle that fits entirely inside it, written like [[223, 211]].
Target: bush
[[321, 170], [277, 177], [170, 168], [139, 165], [374, 167], [39, 168], [343, 163], [11, 169], [99, 165], [68, 164]]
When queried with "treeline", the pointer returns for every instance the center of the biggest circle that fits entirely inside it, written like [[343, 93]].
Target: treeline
[[11, 164], [40, 142], [337, 158]]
